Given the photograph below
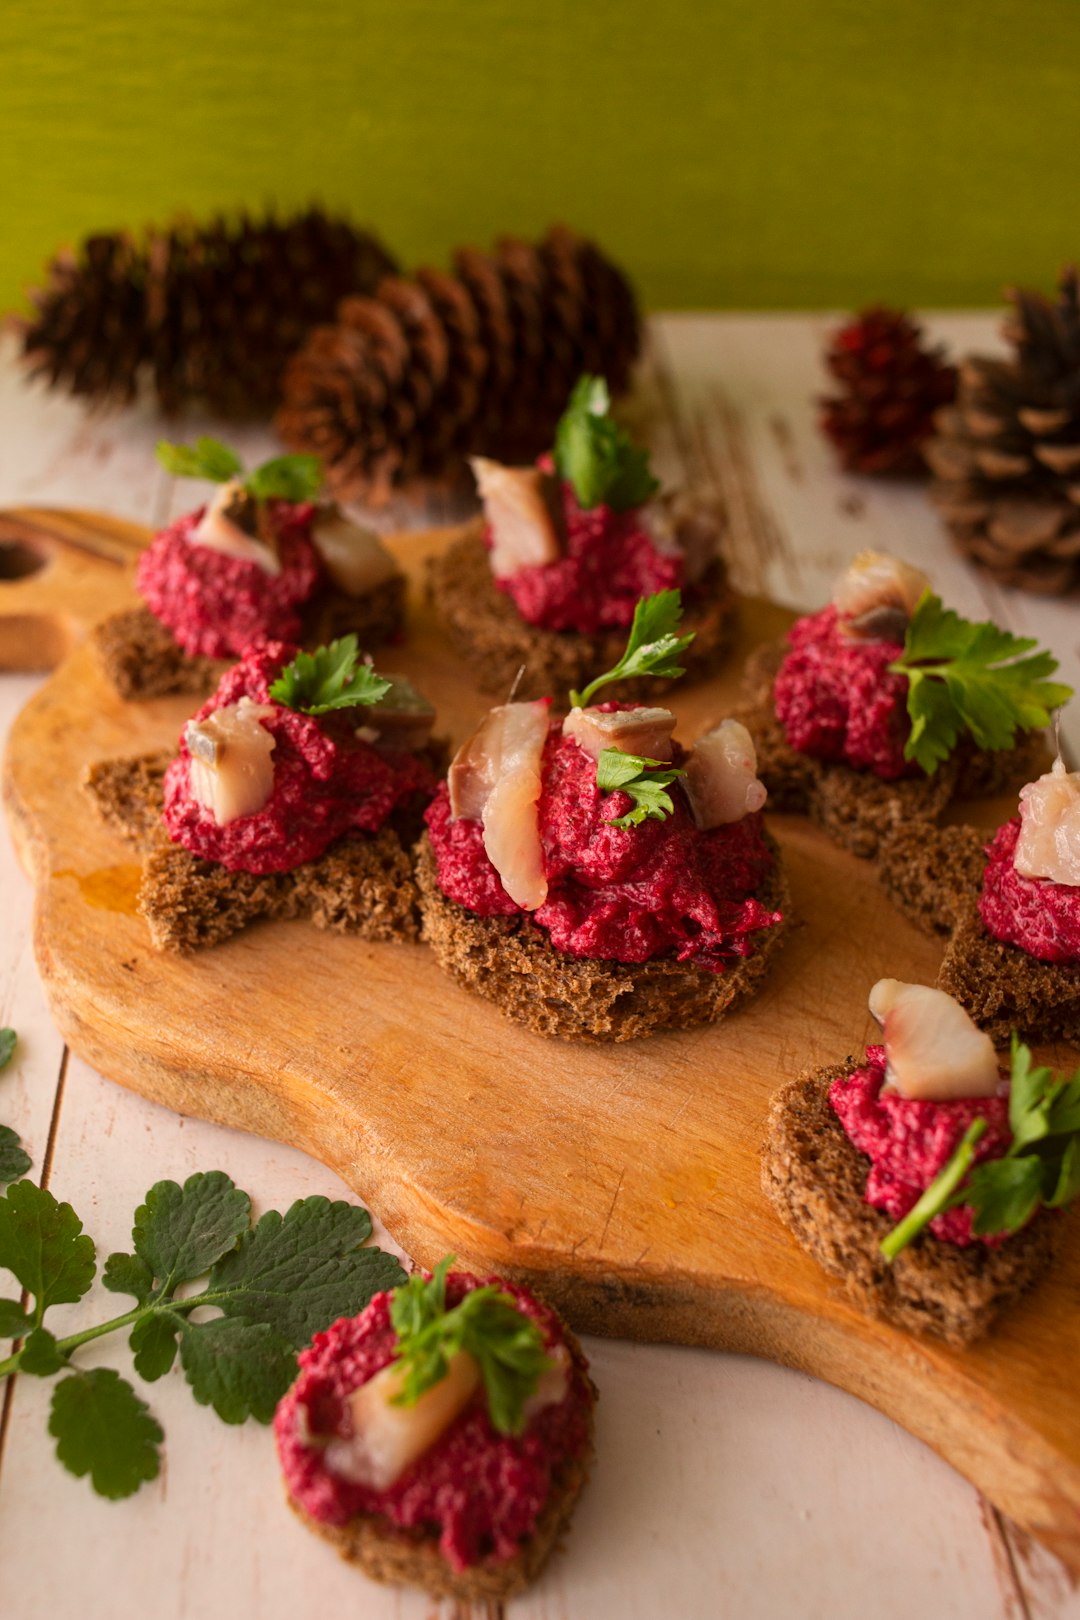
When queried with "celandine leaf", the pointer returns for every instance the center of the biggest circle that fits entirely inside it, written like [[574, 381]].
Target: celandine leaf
[[42, 1242], [14, 1321], [127, 1274], [8, 1039], [153, 1343], [180, 1231], [241, 1369], [40, 1355], [14, 1159], [103, 1429]]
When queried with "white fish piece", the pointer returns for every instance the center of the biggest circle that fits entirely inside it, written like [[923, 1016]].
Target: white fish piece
[[354, 556], [636, 731], [523, 506], [232, 774], [495, 779], [387, 1439], [876, 596], [554, 1382], [721, 780], [1049, 841], [933, 1049], [218, 530]]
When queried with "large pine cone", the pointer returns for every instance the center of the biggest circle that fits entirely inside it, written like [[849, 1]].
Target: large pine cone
[[891, 387], [430, 370], [212, 311], [1007, 456]]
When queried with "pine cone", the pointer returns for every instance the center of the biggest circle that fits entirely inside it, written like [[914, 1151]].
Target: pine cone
[[893, 386], [1007, 456], [428, 371], [212, 311]]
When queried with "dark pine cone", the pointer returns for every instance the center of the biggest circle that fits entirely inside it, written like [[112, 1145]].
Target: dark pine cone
[[430, 370], [1007, 456], [892, 386], [213, 312]]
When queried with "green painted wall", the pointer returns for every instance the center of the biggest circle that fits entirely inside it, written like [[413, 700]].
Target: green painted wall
[[739, 153]]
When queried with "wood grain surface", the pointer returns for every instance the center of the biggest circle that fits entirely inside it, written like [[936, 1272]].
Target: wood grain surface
[[621, 1181]]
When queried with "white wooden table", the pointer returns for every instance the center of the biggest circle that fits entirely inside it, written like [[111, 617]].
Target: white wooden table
[[724, 1486]]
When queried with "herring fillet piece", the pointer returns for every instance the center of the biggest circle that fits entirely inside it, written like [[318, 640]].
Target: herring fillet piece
[[523, 508], [231, 771], [353, 556], [933, 1050], [1049, 841], [721, 780], [217, 532], [387, 1438], [495, 779], [640, 730]]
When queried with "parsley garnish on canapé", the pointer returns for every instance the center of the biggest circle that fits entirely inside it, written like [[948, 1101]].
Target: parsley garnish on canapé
[[282, 478], [332, 677], [597, 456]]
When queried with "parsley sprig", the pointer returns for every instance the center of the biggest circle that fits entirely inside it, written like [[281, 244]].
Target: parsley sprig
[[652, 648], [272, 1287], [1041, 1166], [14, 1160], [506, 1344], [597, 456], [971, 677], [332, 677], [283, 478], [640, 777]]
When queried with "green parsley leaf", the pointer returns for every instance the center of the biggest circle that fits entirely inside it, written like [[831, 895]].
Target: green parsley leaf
[[1005, 1193], [180, 1231], [505, 1343], [207, 458], [638, 776], [286, 478], [13, 1319], [971, 677], [40, 1355], [8, 1039], [300, 1271], [14, 1159], [596, 456], [103, 1429], [127, 1274], [332, 677], [241, 1369], [153, 1344], [652, 648], [43, 1244]]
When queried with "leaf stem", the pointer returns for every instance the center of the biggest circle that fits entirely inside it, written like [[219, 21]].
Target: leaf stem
[[159, 1305], [936, 1197]]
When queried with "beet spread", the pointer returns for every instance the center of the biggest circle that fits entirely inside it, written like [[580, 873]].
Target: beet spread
[[614, 894], [1039, 915], [480, 1491], [327, 781], [218, 606], [911, 1141], [610, 563], [837, 701]]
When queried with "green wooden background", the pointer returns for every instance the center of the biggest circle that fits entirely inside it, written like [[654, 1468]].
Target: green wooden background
[[742, 153]]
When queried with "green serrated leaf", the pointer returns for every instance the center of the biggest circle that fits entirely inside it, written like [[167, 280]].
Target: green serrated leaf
[[103, 1429], [14, 1321], [1005, 1193], [40, 1355], [14, 1159], [180, 1231], [8, 1038], [653, 646], [43, 1244], [206, 458], [332, 677], [153, 1343], [641, 778], [127, 1274], [286, 478], [240, 1368], [1065, 1185], [300, 1271], [596, 456]]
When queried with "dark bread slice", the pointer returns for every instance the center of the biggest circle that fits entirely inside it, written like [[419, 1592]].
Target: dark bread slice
[[815, 1178], [487, 631], [361, 885], [142, 659], [857, 809], [513, 963], [401, 1557], [930, 873]]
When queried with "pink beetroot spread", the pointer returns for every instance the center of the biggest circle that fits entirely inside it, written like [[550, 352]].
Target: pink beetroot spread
[[480, 1491], [837, 701], [1040, 916], [610, 563], [327, 782], [910, 1142], [218, 606], [621, 895]]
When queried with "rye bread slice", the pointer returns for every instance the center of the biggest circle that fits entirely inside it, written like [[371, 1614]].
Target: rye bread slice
[[857, 809], [815, 1178], [400, 1557], [511, 962], [142, 659], [489, 634], [362, 885]]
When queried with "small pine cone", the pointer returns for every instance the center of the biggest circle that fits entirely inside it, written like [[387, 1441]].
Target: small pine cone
[[892, 387], [1006, 458], [428, 371], [213, 311]]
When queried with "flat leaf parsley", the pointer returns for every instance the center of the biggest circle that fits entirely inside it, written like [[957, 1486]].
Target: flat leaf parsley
[[653, 646], [333, 677], [283, 478], [596, 456], [644, 779]]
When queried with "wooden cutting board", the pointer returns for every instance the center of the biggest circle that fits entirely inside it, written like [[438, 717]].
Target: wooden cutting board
[[620, 1181]]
